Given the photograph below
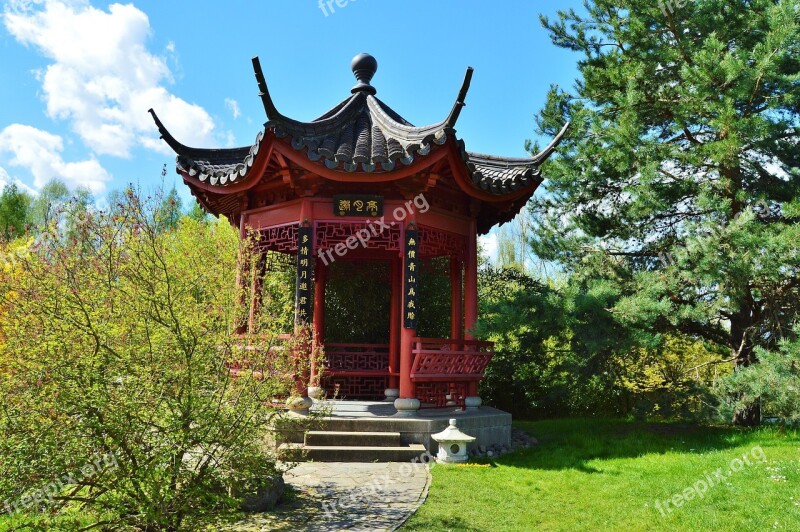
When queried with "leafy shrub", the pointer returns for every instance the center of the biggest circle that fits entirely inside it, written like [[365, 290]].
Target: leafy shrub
[[774, 382], [119, 341], [561, 351]]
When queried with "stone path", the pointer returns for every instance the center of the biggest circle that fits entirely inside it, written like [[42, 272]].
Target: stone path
[[346, 496]]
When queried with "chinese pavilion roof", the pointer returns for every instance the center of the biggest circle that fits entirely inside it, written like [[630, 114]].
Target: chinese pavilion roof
[[359, 135]]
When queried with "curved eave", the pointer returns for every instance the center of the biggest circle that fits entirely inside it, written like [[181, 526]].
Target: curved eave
[[232, 166], [501, 178], [218, 168], [359, 136]]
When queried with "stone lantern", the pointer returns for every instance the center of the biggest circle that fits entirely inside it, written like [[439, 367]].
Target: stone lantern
[[452, 444]]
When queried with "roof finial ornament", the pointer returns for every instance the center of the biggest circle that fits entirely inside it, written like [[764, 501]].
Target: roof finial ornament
[[364, 67]]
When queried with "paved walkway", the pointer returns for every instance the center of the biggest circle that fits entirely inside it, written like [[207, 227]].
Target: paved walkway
[[346, 496]]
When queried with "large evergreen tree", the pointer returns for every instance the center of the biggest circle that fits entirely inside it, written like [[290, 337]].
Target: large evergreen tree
[[679, 185]]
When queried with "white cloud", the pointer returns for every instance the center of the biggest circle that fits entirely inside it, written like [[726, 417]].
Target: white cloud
[[103, 79], [233, 105], [6, 179], [40, 152]]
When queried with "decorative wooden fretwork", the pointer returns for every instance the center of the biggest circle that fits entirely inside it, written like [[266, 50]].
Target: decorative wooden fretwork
[[356, 370], [433, 242], [444, 368], [443, 364], [352, 387], [441, 394], [328, 234], [281, 238], [356, 357], [438, 243]]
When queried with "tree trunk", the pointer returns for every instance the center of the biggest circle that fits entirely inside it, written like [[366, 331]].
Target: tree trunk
[[742, 349], [748, 416]]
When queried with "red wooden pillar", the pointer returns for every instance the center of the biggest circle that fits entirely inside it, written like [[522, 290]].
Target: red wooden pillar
[[395, 317], [242, 263], [407, 389], [320, 282], [256, 289], [471, 281], [306, 348], [456, 300], [471, 291]]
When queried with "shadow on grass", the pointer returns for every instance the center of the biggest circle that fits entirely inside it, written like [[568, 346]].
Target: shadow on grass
[[572, 443]]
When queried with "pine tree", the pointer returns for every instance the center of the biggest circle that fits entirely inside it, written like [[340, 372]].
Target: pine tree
[[679, 185]]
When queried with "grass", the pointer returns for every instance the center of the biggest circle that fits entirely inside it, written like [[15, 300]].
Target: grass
[[591, 474]]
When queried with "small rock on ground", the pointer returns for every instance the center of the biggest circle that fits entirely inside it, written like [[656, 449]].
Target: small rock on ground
[[519, 440]]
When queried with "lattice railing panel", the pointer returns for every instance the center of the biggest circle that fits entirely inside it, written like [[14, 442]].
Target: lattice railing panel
[[357, 362], [346, 387], [455, 364], [443, 369], [441, 357], [356, 357], [441, 394]]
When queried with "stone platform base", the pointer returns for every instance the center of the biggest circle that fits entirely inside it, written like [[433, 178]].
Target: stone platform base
[[488, 425]]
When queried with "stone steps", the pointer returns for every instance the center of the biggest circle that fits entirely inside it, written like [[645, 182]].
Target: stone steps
[[297, 452], [349, 446], [323, 438], [355, 424]]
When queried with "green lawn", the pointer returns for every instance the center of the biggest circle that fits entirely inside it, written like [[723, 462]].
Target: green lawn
[[594, 474], [608, 475]]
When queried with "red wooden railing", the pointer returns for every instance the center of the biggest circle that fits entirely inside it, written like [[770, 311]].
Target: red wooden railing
[[444, 369], [250, 356], [356, 370], [256, 362], [357, 359]]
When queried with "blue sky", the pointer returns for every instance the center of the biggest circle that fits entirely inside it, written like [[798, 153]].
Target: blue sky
[[79, 76]]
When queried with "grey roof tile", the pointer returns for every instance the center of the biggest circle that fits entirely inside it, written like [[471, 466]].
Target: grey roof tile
[[359, 134]]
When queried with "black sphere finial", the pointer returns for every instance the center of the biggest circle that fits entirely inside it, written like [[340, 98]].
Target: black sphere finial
[[364, 67]]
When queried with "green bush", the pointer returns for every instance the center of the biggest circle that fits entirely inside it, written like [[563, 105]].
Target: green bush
[[118, 343], [774, 382], [560, 351]]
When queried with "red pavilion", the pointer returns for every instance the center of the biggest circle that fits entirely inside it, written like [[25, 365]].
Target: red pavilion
[[361, 183]]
